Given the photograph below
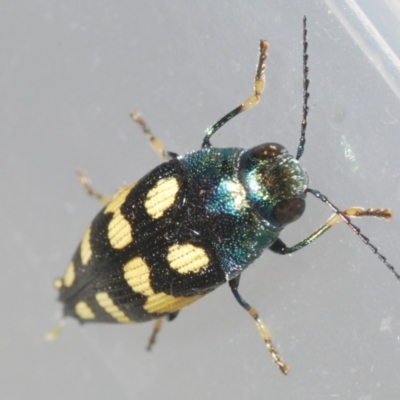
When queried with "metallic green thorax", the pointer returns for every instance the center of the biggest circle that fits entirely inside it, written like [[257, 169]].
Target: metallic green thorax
[[233, 198]]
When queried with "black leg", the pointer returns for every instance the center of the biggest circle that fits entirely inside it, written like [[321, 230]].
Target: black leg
[[278, 247], [172, 316]]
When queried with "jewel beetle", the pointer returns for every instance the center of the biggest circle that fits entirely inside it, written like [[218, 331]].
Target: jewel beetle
[[193, 223]]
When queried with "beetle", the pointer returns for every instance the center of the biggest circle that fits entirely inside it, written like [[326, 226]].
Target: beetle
[[193, 223]]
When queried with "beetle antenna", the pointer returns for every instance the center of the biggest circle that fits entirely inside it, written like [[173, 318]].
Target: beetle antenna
[[306, 95], [355, 229]]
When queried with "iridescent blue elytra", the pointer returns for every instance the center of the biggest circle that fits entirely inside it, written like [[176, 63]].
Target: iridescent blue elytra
[[193, 223]]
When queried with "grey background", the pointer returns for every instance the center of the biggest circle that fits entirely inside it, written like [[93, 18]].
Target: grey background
[[70, 73]]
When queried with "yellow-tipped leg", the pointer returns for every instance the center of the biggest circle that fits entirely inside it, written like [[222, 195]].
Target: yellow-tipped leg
[[253, 100], [264, 332], [90, 191], [56, 332], [266, 336], [353, 212], [154, 142], [156, 329]]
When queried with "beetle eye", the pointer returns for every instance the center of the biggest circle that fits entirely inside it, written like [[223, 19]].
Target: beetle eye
[[268, 150], [288, 211]]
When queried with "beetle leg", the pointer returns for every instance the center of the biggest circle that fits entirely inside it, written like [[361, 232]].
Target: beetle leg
[[259, 84], [156, 329], [354, 212], [154, 142], [234, 284], [172, 316], [90, 191], [55, 333]]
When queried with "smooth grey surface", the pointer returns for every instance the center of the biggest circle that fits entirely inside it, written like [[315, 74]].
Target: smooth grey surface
[[71, 72]]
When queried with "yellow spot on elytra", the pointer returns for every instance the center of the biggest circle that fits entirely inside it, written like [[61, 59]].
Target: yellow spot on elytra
[[109, 306], [86, 249], [164, 303], [119, 230], [84, 311], [137, 275], [186, 258], [118, 199], [69, 276], [161, 197]]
